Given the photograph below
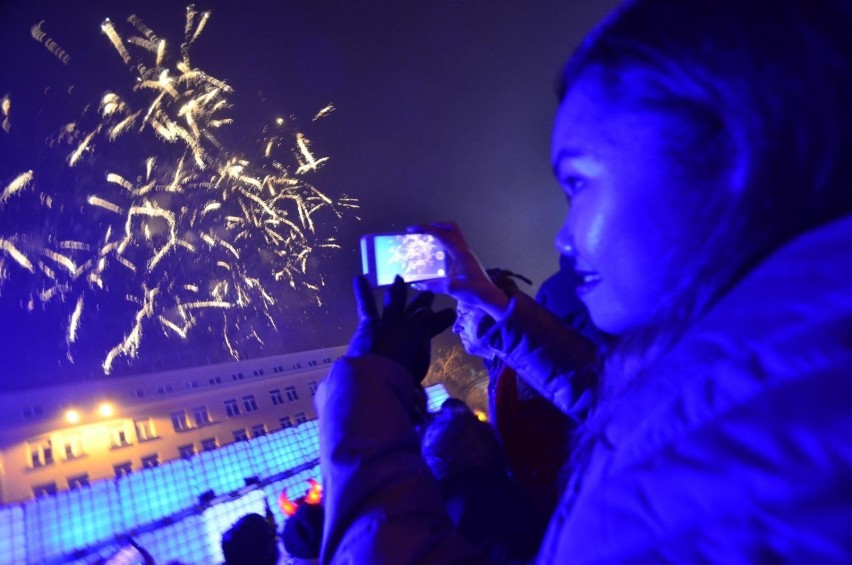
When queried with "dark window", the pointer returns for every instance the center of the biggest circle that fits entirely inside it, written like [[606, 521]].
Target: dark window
[[258, 430], [291, 393], [138, 393], [326, 360], [301, 418], [312, 363], [179, 421], [232, 408], [73, 447], [150, 461], [118, 437], [41, 453], [78, 481], [192, 384], [144, 429], [186, 451], [312, 386], [297, 365], [209, 444], [285, 422], [123, 469], [47, 489], [240, 435], [215, 380], [237, 376], [201, 416], [276, 397], [258, 372], [249, 403]]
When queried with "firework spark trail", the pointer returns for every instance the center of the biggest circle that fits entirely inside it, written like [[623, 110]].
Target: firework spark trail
[[5, 108], [74, 322], [196, 213], [109, 29], [16, 254], [55, 49], [17, 185]]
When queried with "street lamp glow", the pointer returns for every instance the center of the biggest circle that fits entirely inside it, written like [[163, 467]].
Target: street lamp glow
[[105, 410], [72, 416]]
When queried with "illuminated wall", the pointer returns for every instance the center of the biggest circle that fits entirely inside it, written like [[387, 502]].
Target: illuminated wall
[[160, 507]]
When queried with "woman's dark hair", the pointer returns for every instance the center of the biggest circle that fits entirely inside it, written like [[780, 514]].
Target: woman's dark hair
[[759, 94]]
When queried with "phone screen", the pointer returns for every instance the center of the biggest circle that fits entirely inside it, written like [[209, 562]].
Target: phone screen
[[413, 256]]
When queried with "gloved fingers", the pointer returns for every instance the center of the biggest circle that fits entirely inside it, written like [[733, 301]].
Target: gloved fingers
[[421, 300], [440, 321], [364, 299], [394, 305]]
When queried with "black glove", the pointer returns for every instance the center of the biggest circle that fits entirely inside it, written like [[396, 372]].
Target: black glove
[[402, 333]]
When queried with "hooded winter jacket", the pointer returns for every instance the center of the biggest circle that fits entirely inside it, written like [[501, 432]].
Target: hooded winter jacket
[[735, 447]]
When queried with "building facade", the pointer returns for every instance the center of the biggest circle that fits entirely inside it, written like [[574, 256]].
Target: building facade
[[64, 437]]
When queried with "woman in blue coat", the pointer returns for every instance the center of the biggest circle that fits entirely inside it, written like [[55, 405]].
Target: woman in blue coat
[[705, 147]]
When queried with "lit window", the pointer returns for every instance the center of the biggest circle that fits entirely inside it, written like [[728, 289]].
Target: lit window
[[201, 416], [47, 489], [240, 435], [78, 481], [186, 451], [150, 461], [73, 447], [258, 430], [209, 444], [276, 397], [144, 429], [118, 437], [41, 452], [122, 469], [285, 422], [249, 403], [179, 421], [232, 408], [301, 418], [291, 393], [312, 386]]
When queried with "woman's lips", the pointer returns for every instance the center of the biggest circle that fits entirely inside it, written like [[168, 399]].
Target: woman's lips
[[586, 281]]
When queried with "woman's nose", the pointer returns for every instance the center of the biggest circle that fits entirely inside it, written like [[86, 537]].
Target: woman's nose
[[564, 241]]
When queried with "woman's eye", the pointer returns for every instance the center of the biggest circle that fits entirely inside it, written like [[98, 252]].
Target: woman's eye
[[573, 185]]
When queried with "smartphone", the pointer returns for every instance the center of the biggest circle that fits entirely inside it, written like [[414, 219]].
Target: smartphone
[[413, 256]]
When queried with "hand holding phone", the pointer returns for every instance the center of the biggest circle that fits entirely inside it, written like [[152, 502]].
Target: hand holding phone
[[413, 256]]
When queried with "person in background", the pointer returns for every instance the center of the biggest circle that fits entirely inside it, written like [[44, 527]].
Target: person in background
[[302, 533], [704, 148], [251, 540], [486, 504]]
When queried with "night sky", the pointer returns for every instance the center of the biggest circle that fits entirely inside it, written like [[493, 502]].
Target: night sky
[[442, 111]]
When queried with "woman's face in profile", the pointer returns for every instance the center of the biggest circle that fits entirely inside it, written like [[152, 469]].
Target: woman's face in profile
[[624, 228]]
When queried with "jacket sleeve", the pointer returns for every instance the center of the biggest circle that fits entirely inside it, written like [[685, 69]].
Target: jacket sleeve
[[382, 503], [547, 353]]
